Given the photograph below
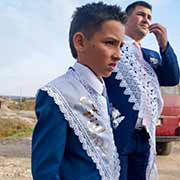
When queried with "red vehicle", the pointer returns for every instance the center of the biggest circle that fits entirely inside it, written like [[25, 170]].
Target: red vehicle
[[168, 125]]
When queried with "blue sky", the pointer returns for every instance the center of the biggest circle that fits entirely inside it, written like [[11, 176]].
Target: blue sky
[[34, 45]]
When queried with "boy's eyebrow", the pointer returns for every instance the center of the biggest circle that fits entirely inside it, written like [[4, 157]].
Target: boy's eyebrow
[[112, 38]]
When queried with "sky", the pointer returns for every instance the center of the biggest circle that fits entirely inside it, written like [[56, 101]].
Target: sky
[[34, 46]]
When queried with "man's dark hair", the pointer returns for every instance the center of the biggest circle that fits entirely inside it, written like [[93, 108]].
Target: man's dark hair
[[89, 18], [132, 6]]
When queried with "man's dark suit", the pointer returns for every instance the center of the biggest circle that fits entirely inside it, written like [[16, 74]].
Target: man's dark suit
[[167, 71]]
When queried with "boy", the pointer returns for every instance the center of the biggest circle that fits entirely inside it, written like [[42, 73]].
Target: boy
[[73, 137]]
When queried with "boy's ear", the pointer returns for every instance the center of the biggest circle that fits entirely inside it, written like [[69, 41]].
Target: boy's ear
[[79, 41]]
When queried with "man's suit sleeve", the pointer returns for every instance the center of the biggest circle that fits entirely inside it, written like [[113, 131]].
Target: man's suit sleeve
[[168, 72], [49, 139]]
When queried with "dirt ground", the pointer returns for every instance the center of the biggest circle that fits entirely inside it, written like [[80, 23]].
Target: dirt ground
[[169, 165], [15, 161], [15, 155]]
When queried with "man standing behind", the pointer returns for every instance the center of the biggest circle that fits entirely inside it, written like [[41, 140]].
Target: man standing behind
[[73, 138], [134, 90]]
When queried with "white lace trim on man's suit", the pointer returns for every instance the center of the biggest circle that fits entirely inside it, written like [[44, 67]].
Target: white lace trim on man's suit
[[141, 84]]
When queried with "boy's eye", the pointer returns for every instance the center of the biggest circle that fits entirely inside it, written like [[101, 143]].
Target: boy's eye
[[109, 42], [121, 45]]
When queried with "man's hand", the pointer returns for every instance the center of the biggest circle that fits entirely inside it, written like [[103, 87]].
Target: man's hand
[[160, 33]]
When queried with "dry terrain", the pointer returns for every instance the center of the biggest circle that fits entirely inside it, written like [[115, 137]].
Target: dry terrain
[[16, 122], [15, 153], [169, 165], [15, 161]]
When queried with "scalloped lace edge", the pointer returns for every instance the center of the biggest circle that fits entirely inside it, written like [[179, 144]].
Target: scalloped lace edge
[[82, 135]]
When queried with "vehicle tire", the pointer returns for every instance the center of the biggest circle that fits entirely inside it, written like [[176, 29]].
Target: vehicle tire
[[163, 148]]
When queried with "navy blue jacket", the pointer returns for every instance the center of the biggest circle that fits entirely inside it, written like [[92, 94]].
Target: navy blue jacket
[[167, 71], [57, 153]]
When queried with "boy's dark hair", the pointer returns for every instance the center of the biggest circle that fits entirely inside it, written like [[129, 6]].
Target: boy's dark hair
[[133, 5], [89, 18]]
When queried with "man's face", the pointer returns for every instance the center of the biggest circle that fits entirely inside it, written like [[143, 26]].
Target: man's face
[[102, 51], [138, 22]]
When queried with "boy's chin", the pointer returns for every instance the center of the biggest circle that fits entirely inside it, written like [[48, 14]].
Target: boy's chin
[[107, 75]]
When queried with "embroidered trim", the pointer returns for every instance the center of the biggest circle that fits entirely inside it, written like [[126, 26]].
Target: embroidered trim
[[151, 170], [108, 171], [116, 116], [99, 104], [141, 84]]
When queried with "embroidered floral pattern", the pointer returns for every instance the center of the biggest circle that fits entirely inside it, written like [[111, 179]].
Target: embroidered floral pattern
[[153, 60], [116, 117], [141, 84]]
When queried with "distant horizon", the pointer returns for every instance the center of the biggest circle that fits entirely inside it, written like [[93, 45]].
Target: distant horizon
[[31, 96], [16, 96]]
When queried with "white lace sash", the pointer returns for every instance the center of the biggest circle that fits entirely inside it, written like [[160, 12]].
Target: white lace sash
[[141, 84], [93, 132]]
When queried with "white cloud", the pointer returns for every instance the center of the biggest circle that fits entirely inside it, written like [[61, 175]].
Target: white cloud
[[34, 43]]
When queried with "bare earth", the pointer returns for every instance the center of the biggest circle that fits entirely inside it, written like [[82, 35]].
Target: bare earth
[[15, 161], [15, 155], [169, 165]]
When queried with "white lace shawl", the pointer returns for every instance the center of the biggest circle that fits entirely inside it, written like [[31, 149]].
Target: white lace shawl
[[141, 83], [81, 107]]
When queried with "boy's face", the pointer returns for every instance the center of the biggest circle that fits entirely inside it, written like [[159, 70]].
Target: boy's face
[[101, 52]]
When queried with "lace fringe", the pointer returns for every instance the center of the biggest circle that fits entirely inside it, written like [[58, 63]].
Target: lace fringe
[[79, 130], [141, 84]]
